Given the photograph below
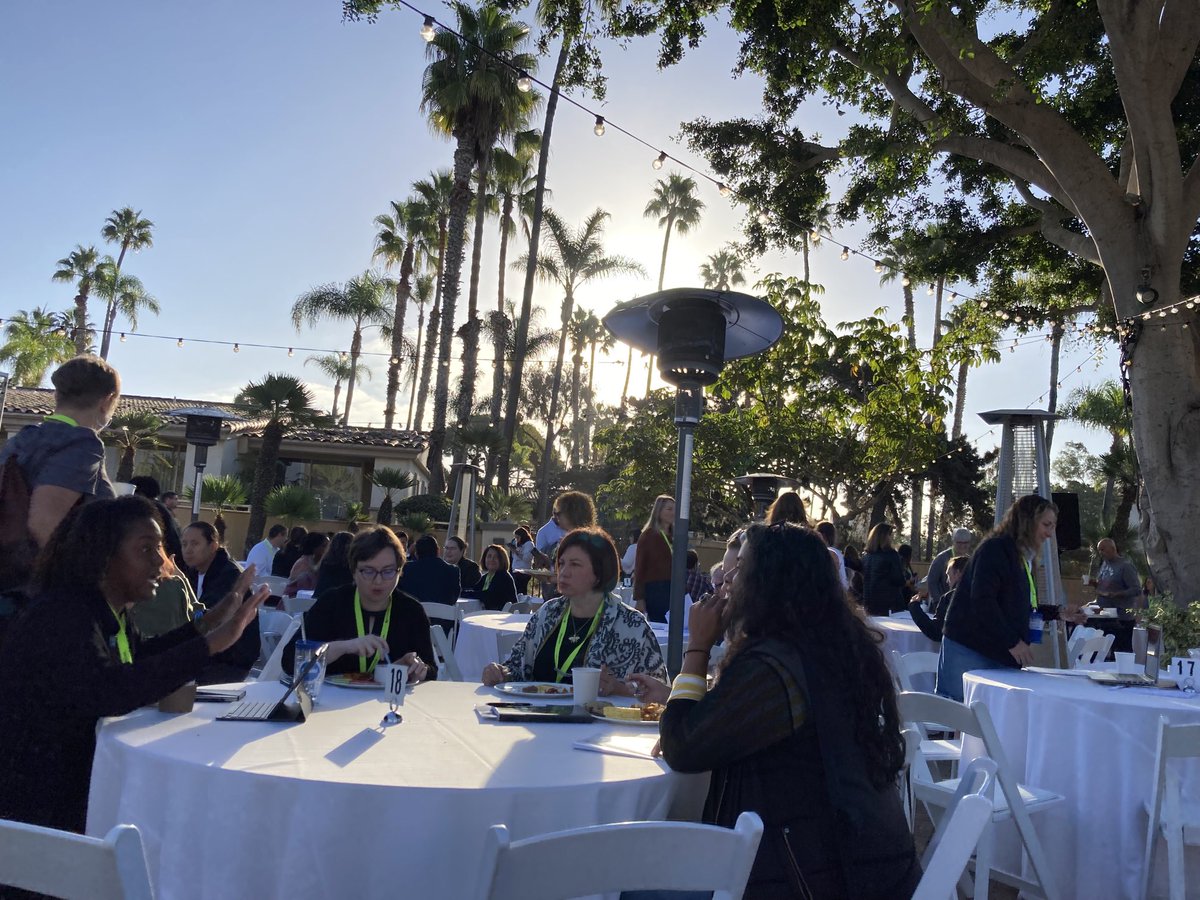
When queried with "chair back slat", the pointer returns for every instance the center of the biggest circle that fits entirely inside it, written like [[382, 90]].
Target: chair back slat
[[62, 864]]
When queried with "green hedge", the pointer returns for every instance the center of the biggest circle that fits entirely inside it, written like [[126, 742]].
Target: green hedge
[[436, 506]]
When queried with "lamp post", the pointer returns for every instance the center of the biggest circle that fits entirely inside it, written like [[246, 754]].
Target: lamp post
[[4, 380], [764, 489], [692, 331], [203, 430]]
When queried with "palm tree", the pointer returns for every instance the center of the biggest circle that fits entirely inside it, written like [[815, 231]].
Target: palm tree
[[362, 300], [502, 506], [574, 259], [893, 270], [292, 503], [969, 341], [391, 481], [221, 492], [723, 270], [81, 266], [396, 244], [35, 340], [433, 195], [585, 329], [677, 208], [126, 295], [422, 294], [356, 514], [1102, 407], [469, 92], [129, 230], [130, 432], [287, 404], [604, 340], [337, 367]]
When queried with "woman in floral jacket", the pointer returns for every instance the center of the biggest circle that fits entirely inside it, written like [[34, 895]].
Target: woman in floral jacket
[[586, 626]]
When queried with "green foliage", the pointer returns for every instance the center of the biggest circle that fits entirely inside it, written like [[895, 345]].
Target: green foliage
[[501, 506], [391, 480], [35, 341], [356, 514], [436, 506], [219, 491], [293, 504], [1180, 623], [415, 523]]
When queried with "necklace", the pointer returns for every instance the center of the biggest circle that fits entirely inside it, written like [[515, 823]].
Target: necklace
[[576, 634]]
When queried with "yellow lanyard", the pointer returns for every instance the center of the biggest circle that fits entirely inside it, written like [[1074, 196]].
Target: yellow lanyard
[[124, 651], [358, 620], [487, 580], [1032, 586], [561, 670], [59, 417], [670, 546]]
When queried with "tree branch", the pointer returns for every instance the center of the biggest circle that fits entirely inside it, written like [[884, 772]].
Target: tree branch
[[1025, 166], [1043, 30], [893, 84], [1051, 228]]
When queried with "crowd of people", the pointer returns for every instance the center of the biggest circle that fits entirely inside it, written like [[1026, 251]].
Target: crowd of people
[[798, 722]]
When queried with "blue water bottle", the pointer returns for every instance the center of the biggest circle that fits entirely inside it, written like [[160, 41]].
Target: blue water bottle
[[1035, 627]]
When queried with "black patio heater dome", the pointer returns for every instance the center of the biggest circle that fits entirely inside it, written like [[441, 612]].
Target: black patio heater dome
[[764, 489], [693, 332], [203, 430]]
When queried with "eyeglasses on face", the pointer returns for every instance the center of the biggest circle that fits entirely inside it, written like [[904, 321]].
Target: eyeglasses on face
[[370, 574]]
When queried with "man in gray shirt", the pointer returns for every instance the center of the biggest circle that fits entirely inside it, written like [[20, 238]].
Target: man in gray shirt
[[1118, 583], [936, 582]]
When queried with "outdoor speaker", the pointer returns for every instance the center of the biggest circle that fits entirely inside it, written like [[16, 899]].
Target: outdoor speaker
[[1068, 533]]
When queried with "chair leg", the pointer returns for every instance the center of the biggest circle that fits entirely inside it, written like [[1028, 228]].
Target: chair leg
[[983, 862]]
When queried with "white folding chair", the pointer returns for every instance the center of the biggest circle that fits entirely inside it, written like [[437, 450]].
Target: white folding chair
[[955, 841], [1093, 650], [61, 864], [906, 665], [277, 583], [631, 856], [1168, 814], [505, 641], [448, 668], [1015, 802], [272, 669], [297, 605], [446, 613]]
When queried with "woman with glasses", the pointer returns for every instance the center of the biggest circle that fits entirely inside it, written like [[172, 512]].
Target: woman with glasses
[[371, 618]]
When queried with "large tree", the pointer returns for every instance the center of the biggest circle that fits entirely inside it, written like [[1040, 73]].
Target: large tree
[[82, 265], [469, 92], [432, 196], [362, 301], [130, 231], [336, 366], [1083, 116], [125, 295], [396, 244], [34, 341]]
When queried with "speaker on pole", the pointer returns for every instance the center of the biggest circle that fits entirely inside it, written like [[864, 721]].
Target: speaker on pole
[[1068, 533]]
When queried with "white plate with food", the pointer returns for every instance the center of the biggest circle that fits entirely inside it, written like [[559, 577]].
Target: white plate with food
[[644, 716], [543, 690], [359, 681]]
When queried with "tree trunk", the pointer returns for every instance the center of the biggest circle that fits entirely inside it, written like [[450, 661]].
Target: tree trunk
[[1119, 527], [910, 315], [662, 271], [460, 203], [264, 480], [402, 292], [939, 289], [960, 399], [355, 350], [125, 469], [521, 338], [590, 422], [81, 335], [110, 314], [416, 370], [628, 372], [435, 320], [1056, 336], [931, 522], [576, 375], [914, 524], [555, 390], [804, 251], [470, 331], [337, 391], [497, 409]]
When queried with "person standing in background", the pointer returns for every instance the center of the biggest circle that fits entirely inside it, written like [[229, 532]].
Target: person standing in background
[[262, 554], [1117, 584], [883, 573], [281, 566], [938, 581], [652, 567]]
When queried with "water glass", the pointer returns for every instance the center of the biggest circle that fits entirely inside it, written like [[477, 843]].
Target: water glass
[[305, 651]]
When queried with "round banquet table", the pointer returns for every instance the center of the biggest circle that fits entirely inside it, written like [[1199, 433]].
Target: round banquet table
[[901, 633], [1094, 745], [336, 806], [476, 643]]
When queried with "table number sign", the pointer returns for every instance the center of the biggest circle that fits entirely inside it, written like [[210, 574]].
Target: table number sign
[[1185, 671]]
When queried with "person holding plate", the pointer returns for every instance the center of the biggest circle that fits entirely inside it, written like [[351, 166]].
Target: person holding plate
[[371, 618], [587, 626]]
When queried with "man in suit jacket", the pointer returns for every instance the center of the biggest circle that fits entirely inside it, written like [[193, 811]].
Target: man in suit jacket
[[430, 578]]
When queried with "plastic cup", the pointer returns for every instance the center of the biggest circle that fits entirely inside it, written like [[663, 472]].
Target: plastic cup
[[1126, 663], [306, 650], [586, 682]]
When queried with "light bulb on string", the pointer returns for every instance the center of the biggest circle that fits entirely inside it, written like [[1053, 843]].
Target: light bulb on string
[[878, 266], [598, 128], [237, 348], [723, 189], [929, 290], [291, 352], [845, 253], [659, 160], [342, 355], [905, 281], [815, 237], [122, 337], [524, 82], [179, 343], [428, 32], [764, 218], [953, 296]]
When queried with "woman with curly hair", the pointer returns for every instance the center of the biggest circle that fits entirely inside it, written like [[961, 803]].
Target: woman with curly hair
[[801, 727]]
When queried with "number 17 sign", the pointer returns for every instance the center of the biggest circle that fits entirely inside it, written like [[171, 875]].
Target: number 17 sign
[[1184, 670]]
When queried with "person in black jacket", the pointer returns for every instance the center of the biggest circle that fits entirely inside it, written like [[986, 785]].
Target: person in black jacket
[[72, 656], [801, 727], [430, 578], [496, 586], [987, 623], [883, 573], [454, 551], [334, 570], [931, 623], [281, 566], [213, 575]]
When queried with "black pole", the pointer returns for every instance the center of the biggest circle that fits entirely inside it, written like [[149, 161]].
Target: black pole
[[689, 400], [200, 460]]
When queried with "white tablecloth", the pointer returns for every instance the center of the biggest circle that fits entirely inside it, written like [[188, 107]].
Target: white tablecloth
[[476, 645], [336, 807], [902, 634], [1095, 746]]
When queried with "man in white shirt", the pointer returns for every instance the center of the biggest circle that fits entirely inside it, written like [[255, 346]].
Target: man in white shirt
[[549, 535], [263, 553], [828, 533]]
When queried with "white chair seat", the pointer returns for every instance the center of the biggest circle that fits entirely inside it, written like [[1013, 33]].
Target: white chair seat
[[1035, 799], [942, 749]]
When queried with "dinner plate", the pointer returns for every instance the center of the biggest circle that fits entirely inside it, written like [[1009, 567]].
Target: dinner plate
[[535, 689], [639, 723], [344, 681]]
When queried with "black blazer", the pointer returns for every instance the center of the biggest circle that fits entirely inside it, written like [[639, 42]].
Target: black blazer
[[989, 612], [232, 664], [883, 582], [502, 590], [431, 580]]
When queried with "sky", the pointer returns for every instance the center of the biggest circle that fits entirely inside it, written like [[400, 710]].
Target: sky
[[263, 138]]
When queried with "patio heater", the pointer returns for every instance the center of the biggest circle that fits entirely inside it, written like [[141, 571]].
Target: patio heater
[[203, 430], [764, 489], [692, 331], [1024, 468], [4, 381], [462, 508]]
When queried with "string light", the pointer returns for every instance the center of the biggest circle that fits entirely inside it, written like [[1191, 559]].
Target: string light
[[845, 253], [237, 348], [723, 189], [291, 352], [906, 281], [764, 218], [815, 237], [929, 290], [342, 355], [878, 266], [598, 128], [122, 337], [659, 160], [179, 343], [524, 82], [428, 32]]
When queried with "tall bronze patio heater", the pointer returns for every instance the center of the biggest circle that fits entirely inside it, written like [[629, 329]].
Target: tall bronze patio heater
[[692, 331], [203, 430], [764, 489]]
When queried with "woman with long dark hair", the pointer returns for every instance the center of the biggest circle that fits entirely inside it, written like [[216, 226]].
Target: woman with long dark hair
[[801, 727], [73, 657], [334, 570], [987, 622]]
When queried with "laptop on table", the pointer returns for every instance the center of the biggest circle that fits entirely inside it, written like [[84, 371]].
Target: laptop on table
[[281, 710], [1149, 679]]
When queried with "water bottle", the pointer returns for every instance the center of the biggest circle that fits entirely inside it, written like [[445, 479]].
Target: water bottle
[[1036, 624]]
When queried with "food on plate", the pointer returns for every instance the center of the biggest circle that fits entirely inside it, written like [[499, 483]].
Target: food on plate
[[623, 713], [652, 712], [544, 689], [361, 677]]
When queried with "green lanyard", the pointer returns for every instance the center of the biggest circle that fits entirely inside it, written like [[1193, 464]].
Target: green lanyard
[[387, 620], [487, 580], [123, 649], [59, 417], [1032, 586], [561, 670], [670, 546]]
